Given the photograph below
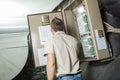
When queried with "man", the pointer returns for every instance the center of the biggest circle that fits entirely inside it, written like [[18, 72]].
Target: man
[[62, 54]]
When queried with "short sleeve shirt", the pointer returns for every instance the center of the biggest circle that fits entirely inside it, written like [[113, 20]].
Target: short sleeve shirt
[[65, 48]]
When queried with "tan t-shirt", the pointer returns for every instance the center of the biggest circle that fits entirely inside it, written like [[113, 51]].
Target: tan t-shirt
[[65, 48]]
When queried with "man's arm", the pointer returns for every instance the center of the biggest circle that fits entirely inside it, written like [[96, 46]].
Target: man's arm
[[51, 66]]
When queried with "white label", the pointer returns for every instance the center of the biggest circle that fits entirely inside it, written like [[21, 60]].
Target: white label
[[101, 43], [44, 33]]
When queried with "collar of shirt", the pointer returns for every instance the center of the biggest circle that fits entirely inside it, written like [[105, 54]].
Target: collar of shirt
[[59, 32]]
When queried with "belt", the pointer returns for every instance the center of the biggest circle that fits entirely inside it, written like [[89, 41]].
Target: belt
[[70, 74]]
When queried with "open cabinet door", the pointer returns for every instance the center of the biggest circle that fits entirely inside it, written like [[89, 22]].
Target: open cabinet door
[[85, 24], [97, 29], [37, 34]]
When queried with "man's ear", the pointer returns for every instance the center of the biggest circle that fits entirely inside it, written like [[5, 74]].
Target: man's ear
[[52, 30]]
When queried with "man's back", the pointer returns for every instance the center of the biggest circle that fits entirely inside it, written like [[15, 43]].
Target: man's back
[[66, 51]]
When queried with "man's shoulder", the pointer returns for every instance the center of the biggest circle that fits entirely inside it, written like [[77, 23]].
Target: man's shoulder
[[71, 37]]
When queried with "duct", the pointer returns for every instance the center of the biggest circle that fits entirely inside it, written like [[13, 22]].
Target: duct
[[13, 24]]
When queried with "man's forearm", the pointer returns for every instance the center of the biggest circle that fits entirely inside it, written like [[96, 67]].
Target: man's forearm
[[51, 66], [51, 71]]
